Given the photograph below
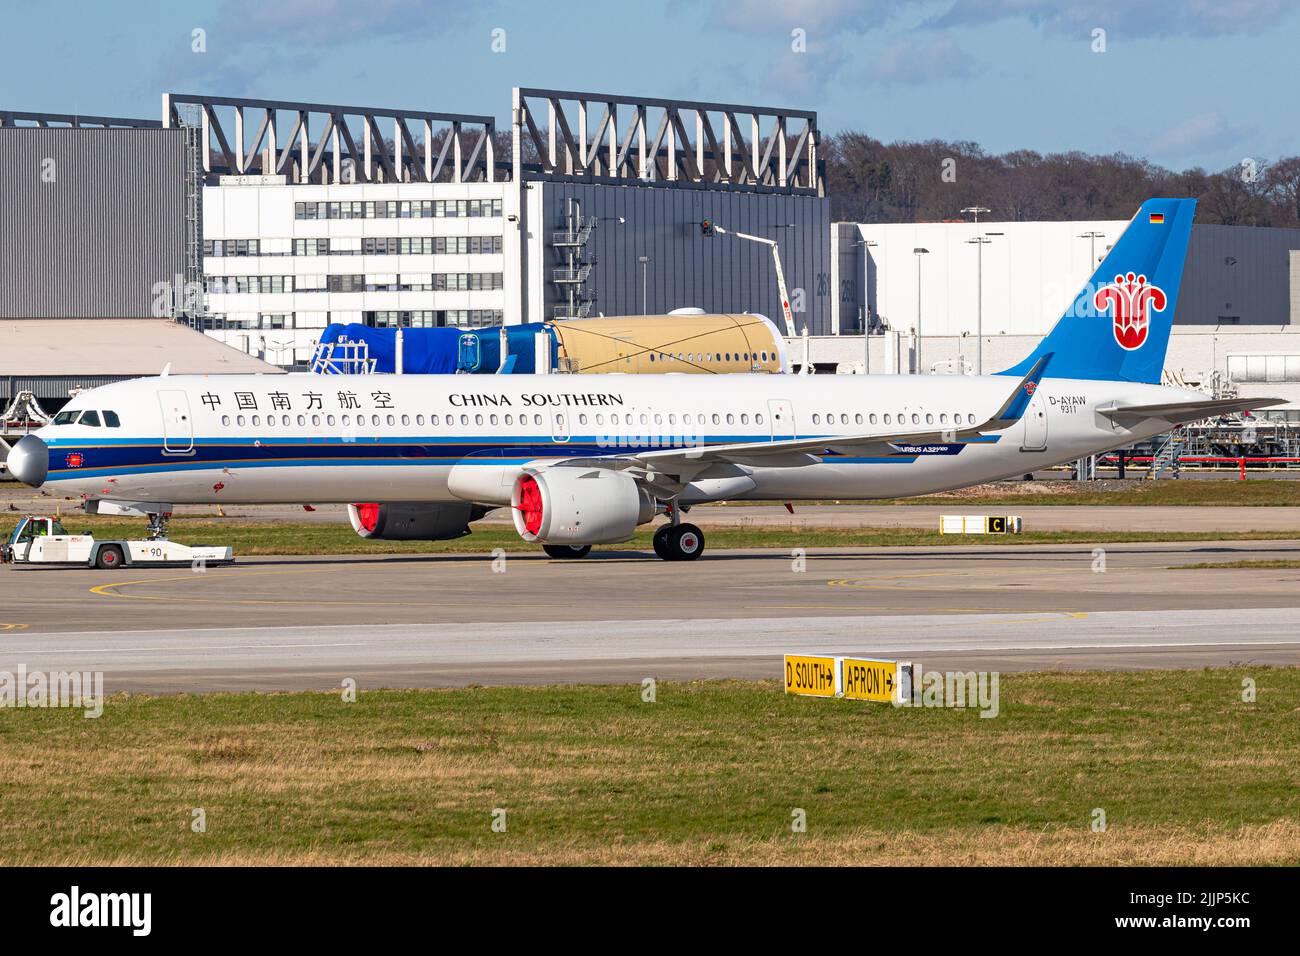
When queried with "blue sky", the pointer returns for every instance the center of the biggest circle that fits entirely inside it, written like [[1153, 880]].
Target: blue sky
[[1190, 83]]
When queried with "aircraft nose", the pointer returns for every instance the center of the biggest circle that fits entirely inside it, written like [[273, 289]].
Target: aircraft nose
[[29, 461]]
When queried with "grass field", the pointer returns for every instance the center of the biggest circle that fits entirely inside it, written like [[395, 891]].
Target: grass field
[[249, 537], [710, 773], [1187, 492]]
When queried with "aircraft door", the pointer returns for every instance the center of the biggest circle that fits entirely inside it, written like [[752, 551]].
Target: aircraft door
[[1035, 438], [178, 426], [781, 417]]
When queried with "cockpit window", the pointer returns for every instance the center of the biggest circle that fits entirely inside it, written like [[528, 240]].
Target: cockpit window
[[90, 419], [111, 420], [66, 418]]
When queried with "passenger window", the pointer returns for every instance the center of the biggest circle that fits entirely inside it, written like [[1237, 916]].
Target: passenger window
[[744, 419], [857, 419], [731, 419], [758, 419], [406, 419], [419, 419], [929, 419], [510, 419], [844, 418], [239, 420], [971, 419], [872, 418], [257, 420], [225, 419], [329, 419], [887, 418], [90, 419], [943, 418], [492, 419], [285, 420], [537, 419], [393, 421], [302, 420], [916, 419], [817, 419], [717, 419], [315, 420], [111, 420], [433, 419]]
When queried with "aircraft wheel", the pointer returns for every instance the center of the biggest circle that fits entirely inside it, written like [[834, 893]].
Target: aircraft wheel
[[684, 542], [109, 558], [566, 551], [660, 541]]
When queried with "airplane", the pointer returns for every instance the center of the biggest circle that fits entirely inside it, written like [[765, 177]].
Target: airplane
[[584, 460]]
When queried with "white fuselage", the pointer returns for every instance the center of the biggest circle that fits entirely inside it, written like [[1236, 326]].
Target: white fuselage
[[319, 438]]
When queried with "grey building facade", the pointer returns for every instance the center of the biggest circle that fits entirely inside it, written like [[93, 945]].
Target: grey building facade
[[685, 268], [91, 220], [1238, 275]]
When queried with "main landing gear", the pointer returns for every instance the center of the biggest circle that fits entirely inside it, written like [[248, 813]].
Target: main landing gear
[[679, 542], [676, 541]]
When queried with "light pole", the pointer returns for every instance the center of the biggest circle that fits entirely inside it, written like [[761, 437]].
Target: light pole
[[645, 265], [918, 252], [980, 242], [977, 210]]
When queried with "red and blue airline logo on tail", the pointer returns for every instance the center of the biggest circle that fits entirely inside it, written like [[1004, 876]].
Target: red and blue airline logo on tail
[[1131, 297]]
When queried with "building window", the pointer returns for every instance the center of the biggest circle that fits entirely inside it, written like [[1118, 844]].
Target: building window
[[1264, 368], [346, 283], [398, 209]]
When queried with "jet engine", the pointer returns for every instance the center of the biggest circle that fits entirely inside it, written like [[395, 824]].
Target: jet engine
[[414, 520], [579, 506]]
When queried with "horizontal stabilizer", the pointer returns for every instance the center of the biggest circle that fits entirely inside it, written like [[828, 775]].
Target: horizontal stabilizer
[[1181, 412]]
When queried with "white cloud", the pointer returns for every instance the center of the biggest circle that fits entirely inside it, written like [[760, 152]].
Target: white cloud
[[1135, 18], [1203, 133], [913, 61]]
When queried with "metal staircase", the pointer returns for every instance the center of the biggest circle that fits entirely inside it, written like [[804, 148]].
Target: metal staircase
[[1166, 456], [570, 277]]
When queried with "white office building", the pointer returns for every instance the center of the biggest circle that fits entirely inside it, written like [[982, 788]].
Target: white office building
[[282, 262]]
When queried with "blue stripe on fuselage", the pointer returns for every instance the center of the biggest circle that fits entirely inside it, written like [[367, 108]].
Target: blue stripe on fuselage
[[138, 456]]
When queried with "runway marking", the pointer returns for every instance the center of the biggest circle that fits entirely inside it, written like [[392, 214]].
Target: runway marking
[[110, 590], [12, 627]]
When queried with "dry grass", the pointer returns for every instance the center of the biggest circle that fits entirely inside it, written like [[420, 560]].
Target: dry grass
[[1185, 771]]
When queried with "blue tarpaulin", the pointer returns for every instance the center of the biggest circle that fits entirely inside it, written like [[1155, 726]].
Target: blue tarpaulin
[[442, 351]]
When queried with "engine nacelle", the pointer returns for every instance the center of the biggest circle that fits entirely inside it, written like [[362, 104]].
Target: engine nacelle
[[576, 505], [413, 521]]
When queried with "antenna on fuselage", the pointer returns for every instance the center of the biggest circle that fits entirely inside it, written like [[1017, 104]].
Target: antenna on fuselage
[[167, 370]]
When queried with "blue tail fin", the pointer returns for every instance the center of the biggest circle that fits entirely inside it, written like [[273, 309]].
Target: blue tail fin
[[1117, 328]]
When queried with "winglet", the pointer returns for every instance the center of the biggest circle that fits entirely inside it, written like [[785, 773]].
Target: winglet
[[1013, 409]]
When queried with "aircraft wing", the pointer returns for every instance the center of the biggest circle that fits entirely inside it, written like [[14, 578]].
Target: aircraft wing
[[1181, 412], [799, 451]]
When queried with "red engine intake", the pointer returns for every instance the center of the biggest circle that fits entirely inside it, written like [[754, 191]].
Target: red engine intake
[[578, 505]]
